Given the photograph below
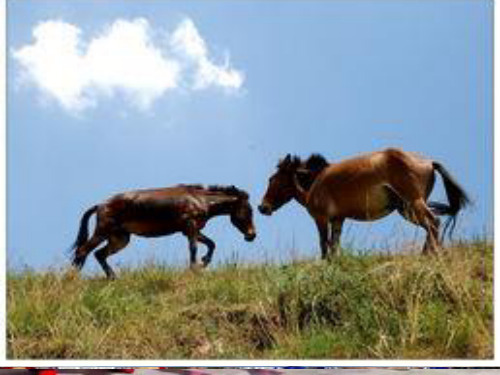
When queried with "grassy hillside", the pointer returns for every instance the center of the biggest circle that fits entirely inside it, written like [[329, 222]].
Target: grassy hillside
[[359, 306]]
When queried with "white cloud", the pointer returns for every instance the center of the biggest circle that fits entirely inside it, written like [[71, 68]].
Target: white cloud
[[54, 63], [187, 41], [124, 59]]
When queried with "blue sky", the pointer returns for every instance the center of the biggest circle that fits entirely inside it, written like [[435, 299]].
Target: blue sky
[[255, 80]]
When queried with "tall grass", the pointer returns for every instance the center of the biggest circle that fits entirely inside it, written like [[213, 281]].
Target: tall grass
[[358, 306]]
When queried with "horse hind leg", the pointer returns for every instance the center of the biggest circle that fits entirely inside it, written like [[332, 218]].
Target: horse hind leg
[[418, 213], [116, 242], [411, 190], [83, 251]]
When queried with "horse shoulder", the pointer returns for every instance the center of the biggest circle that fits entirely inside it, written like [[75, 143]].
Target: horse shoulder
[[321, 199], [197, 204]]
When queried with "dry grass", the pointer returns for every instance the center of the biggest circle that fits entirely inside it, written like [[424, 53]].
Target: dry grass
[[359, 306]]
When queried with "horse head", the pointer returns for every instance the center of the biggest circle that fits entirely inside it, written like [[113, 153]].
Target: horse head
[[292, 175], [281, 188], [242, 216]]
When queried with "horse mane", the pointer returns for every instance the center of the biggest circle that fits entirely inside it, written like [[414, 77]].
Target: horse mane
[[230, 190], [192, 186], [316, 163]]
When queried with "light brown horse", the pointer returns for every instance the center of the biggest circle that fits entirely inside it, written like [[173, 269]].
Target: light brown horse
[[160, 212], [365, 188]]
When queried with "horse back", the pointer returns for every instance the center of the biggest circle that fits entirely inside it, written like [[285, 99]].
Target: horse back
[[357, 187], [155, 212], [169, 201], [378, 166]]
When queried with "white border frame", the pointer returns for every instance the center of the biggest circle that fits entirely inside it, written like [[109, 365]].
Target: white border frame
[[222, 363]]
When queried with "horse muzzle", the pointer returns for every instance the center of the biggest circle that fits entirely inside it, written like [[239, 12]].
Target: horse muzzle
[[265, 209], [250, 236]]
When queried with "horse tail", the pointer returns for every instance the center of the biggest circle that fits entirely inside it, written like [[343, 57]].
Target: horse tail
[[457, 199], [83, 232]]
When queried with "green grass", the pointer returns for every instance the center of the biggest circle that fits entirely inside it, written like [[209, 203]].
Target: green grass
[[358, 306]]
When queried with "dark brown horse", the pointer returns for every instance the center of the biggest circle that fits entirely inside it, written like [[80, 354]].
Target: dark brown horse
[[160, 212], [365, 188]]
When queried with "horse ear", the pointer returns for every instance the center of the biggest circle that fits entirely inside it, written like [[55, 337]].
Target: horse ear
[[284, 163]]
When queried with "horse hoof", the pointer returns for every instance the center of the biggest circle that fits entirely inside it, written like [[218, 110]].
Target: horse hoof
[[205, 261], [71, 274], [195, 267]]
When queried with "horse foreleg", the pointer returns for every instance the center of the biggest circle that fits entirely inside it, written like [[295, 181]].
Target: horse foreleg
[[335, 232], [322, 225], [192, 251], [116, 242], [211, 247], [192, 232]]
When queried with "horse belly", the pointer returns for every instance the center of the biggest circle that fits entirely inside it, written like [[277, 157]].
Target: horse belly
[[151, 229], [367, 205]]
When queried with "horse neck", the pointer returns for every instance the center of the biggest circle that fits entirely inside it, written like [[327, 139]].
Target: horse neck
[[301, 197], [220, 205], [300, 193]]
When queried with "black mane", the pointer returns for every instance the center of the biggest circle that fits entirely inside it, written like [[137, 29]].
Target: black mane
[[316, 163], [192, 186], [230, 190]]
